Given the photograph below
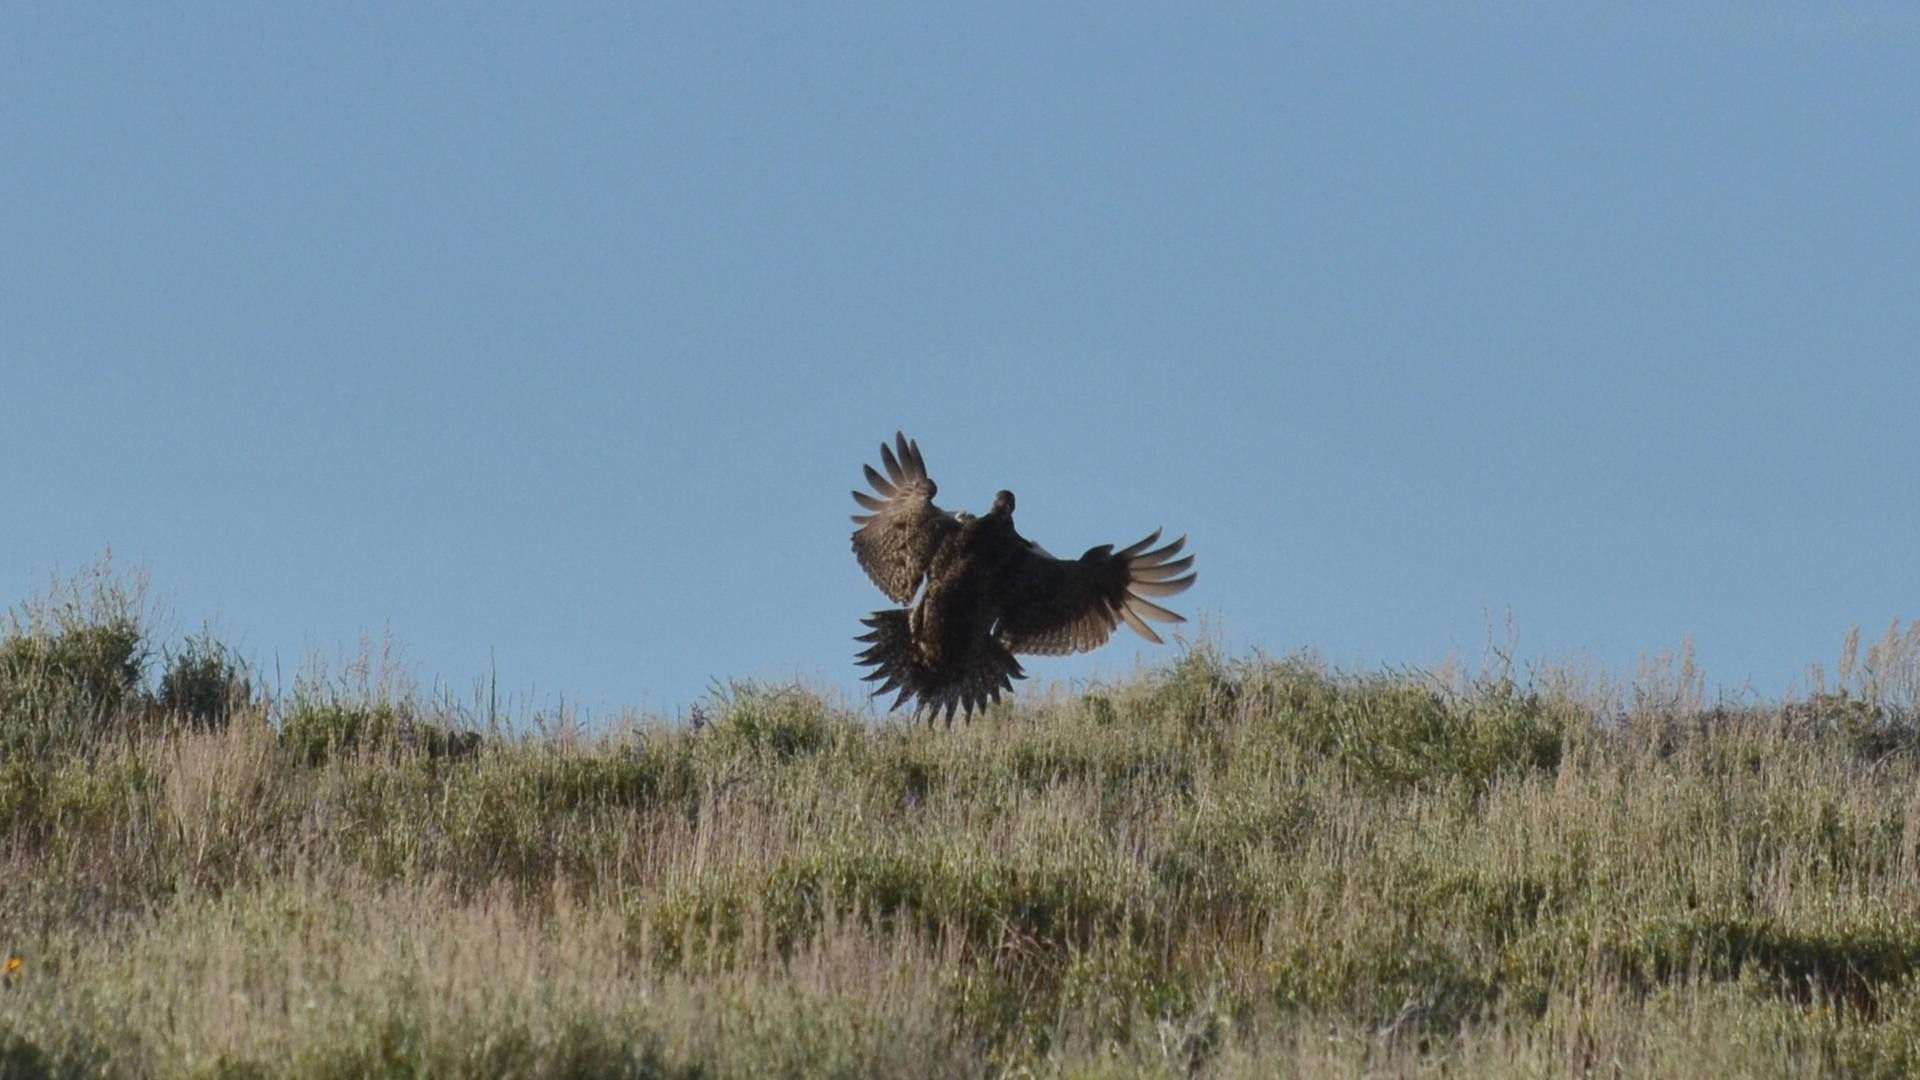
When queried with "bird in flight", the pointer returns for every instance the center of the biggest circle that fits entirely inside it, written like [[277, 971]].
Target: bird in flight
[[986, 593]]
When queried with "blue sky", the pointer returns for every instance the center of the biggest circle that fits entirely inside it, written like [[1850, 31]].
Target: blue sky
[[553, 337]]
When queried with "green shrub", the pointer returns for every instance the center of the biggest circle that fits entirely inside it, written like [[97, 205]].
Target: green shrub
[[1871, 730], [63, 691], [540, 814], [780, 724], [1848, 966], [1047, 901], [906, 767], [1394, 732], [1209, 862], [436, 741], [401, 1046], [314, 732], [204, 683], [1113, 761], [1199, 689], [72, 1055]]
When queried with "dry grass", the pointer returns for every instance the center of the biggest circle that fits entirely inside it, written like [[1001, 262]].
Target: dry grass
[[1220, 868]]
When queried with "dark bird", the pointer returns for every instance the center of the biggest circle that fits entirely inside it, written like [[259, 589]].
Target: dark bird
[[986, 593]]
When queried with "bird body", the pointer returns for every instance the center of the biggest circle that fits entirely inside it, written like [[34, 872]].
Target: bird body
[[985, 593]]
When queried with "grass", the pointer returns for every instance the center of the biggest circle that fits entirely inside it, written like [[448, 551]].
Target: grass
[[1223, 867]]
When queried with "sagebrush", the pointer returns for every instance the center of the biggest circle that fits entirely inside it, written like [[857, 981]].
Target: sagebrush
[[1223, 867]]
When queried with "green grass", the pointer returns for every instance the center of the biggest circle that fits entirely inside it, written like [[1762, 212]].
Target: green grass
[[1221, 867]]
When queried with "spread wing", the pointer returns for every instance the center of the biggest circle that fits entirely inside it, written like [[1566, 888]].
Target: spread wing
[[898, 536], [1058, 606]]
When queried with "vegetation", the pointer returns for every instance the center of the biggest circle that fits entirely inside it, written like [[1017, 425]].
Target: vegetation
[[1225, 867]]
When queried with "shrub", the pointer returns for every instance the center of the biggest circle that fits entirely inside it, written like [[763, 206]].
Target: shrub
[[780, 724], [1394, 732], [435, 741], [58, 1057], [204, 684], [313, 732], [61, 692]]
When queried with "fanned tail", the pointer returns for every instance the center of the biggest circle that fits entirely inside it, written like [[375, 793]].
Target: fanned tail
[[977, 678]]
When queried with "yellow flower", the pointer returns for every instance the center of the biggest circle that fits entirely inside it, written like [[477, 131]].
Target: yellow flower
[[13, 965]]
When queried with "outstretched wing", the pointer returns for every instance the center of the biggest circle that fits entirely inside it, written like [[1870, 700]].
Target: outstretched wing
[[1058, 606], [898, 536]]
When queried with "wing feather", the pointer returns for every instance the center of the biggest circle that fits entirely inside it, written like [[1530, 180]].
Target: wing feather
[[1143, 587], [896, 542], [1057, 606], [1162, 554], [1164, 570], [1140, 627], [880, 483], [1152, 610]]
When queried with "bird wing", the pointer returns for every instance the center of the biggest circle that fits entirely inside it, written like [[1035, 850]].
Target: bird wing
[[902, 528], [1059, 606]]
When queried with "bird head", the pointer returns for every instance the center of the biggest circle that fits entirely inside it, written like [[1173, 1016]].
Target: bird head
[[1003, 503]]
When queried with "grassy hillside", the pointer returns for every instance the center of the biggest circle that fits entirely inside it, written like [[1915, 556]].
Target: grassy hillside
[[1224, 867]]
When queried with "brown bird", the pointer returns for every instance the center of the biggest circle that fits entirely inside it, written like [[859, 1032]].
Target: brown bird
[[987, 593]]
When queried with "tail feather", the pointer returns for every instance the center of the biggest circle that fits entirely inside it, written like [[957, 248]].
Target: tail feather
[[970, 682]]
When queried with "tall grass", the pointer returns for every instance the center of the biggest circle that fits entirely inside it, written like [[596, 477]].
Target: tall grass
[[1222, 867]]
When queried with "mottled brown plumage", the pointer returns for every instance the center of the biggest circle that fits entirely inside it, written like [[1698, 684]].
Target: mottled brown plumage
[[985, 592]]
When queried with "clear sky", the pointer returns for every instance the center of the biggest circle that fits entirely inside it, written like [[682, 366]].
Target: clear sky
[[553, 337]]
